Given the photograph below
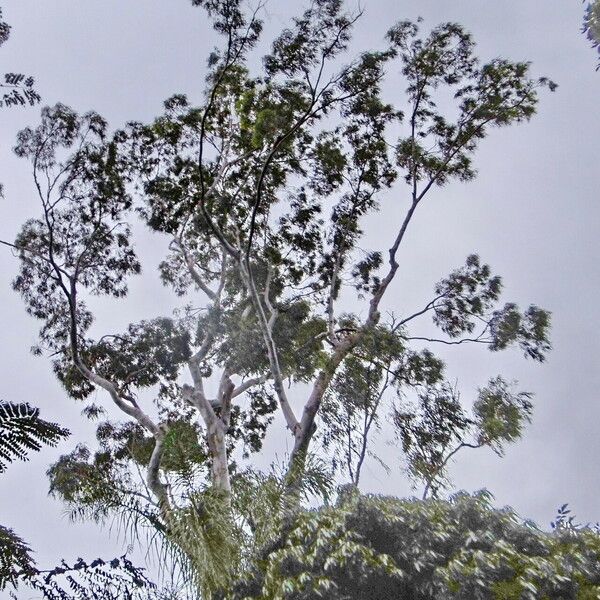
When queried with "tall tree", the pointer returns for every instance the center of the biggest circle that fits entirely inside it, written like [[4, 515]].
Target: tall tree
[[263, 191]]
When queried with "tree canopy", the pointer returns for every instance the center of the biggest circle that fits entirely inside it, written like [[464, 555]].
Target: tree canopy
[[264, 190]]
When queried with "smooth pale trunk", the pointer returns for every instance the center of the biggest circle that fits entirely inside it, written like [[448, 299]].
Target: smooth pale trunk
[[218, 452]]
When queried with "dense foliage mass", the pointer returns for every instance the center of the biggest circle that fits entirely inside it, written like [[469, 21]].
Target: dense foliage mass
[[372, 548], [263, 193]]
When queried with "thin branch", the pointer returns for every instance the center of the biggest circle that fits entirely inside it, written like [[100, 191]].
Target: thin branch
[[443, 464], [449, 343], [428, 307], [36, 254], [228, 63], [192, 270], [249, 383], [369, 420], [266, 328]]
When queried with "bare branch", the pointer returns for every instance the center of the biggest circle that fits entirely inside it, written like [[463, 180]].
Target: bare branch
[[36, 254], [443, 464], [368, 423], [447, 342], [428, 307], [288, 413], [249, 383], [193, 271]]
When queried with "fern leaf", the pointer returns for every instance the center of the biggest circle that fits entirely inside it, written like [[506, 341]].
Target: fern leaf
[[22, 431], [15, 558]]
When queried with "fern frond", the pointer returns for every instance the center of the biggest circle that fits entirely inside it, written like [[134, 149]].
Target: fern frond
[[15, 558], [22, 431]]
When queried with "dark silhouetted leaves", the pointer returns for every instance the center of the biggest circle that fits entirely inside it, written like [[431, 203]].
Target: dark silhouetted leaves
[[22, 431]]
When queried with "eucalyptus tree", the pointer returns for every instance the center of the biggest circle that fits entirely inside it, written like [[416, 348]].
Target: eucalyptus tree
[[263, 191]]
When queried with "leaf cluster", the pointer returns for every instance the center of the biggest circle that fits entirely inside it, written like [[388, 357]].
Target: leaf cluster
[[435, 428], [591, 25], [22, 430], [20, 88]]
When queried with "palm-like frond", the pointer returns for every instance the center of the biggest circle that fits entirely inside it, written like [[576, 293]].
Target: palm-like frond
[[22, 430]]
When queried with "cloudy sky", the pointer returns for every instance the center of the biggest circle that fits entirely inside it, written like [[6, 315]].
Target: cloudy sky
[[533, 214]]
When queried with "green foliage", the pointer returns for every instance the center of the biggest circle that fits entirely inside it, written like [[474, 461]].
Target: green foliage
[[94, 580], [318, 544], [228, 19], [250, 426], [205, 542], [465, 294], [430, 430], [468, 296], [21, 431], [149, 353], [499, 414], [437, 427], [82, 229], [373, 547], [529, 329], [353, 406], [263, 190], [495, 94], [260, 501]]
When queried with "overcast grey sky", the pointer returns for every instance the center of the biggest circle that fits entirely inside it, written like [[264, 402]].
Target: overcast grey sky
[[533, 214]]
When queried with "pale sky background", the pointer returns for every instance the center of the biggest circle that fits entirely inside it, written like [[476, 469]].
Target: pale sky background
[[533, 214]]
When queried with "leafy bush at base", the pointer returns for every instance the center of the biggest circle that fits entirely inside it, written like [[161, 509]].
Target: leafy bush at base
[[375, 547]]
